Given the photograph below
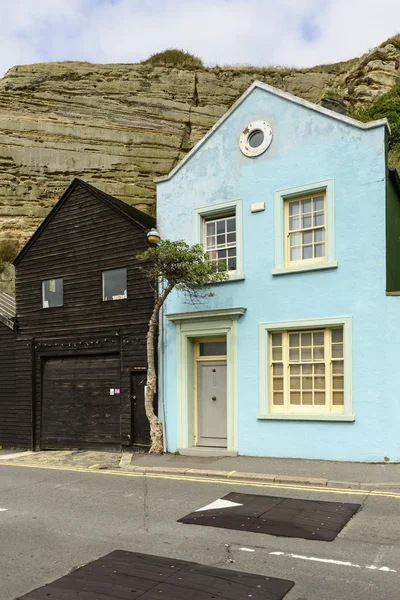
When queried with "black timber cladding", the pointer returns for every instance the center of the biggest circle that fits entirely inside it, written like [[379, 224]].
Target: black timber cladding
[[123, 575], [86, 233], [9, 429]]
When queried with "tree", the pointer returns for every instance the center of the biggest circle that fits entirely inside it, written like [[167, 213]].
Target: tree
[[173, 265]]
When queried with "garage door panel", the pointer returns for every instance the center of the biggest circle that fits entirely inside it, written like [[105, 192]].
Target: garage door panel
[[77, 407]]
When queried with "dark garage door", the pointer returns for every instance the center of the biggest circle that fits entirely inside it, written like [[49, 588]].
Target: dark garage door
[[78, 407]]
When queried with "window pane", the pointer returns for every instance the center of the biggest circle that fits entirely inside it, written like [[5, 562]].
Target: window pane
[[277, 398], [319, 398], [220, 240], [306, 339], [277, 353], [210, 243], [307, 252], [307, 383], [319, 369], [213, 348], [306, 369], [295, 239], [277, 369], [211, 228], [277, 339], [293, 208], [319, 235], [295, 383], [221, 225], [52, 293], [318, 219], [231, 264], [231, 224], [319, 203], [337, 335], [306, 206], [231, 238], [307, 398], [294, 340], [307, 222], [278, 384], [338, 398], [295, 369], [319, 250], [221, 254], [295, 398], [306, 354], [294, 223], [307, 237], [114, 284], [294, 354], [295, 254], [337, 367], [338, 382], [337, 350], [318, 338], [318, 353], [319, 383]]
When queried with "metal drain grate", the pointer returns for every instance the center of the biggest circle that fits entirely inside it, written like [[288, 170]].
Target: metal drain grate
[[290, 517], [123, 575]]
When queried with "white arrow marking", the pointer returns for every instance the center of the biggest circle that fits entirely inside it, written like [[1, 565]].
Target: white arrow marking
[[332, 561], [218, 504]]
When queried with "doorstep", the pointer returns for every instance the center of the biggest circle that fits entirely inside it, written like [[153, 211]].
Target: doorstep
[[206, 451]]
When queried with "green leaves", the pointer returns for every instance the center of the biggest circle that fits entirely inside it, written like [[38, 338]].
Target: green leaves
[[186, 268]]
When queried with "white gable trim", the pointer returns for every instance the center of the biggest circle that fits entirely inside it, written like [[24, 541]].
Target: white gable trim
[[281, 94]]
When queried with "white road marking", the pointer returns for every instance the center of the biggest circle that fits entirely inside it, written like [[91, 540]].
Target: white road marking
[[218, 504], [3, 509], [332, 561], [247, 549]]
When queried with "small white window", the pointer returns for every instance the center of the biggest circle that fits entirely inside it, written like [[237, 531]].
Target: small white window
[[220, 240], [114, 284], [255, 138], [52, 293]]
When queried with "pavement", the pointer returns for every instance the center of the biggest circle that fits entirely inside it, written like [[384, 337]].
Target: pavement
[[350, 475], [56, 518]]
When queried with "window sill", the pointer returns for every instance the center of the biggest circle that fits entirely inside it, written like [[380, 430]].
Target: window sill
[[238, 277], [291, 417], [300, 269]]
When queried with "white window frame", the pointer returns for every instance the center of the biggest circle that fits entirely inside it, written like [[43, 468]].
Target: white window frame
[[282, 266], [265, 329], [221, 209]]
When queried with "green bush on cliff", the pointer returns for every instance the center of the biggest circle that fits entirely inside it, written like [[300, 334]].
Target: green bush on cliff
[[8, 251], [174, 58], [388, 105]]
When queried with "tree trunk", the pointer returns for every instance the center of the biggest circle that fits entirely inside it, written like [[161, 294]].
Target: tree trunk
[[156, 429]]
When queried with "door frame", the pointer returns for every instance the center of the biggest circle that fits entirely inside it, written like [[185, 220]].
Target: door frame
[[189, 327]]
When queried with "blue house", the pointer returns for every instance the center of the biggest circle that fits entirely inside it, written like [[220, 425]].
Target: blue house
[[297, 354]]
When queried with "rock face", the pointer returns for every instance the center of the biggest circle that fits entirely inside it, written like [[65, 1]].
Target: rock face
[[118, 126]]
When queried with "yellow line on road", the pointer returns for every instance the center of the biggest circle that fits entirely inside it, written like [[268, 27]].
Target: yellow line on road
[[237, 482]]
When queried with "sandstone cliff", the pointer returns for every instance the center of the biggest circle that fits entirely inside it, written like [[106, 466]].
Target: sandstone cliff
[[118, 126]]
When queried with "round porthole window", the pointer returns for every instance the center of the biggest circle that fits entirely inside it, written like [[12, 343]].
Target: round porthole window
[[256, 138]]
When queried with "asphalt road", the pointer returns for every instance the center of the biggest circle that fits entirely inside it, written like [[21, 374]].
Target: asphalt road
[[54, 520]]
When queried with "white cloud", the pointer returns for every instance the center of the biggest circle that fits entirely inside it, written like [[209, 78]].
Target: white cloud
[[256, 32]]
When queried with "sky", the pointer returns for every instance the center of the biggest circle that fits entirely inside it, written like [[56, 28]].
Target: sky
[[299, 33]]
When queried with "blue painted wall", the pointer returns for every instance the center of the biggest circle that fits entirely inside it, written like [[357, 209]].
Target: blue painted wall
[[307, 147]]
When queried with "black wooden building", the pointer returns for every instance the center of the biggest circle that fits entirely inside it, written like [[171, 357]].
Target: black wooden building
[[9, 424], [83, 307]]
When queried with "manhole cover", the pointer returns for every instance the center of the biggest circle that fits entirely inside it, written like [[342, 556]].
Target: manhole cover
[[290, 517], [124, 575]]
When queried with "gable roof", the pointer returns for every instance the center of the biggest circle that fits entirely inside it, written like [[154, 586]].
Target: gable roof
[[281, 94], [7, 309], [130, 213]]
